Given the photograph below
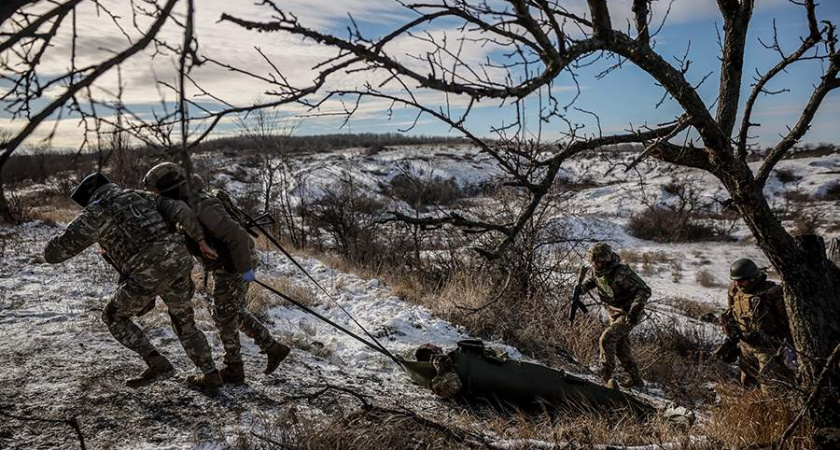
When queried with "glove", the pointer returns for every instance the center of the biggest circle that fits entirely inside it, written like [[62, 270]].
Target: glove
[[249, 276], [634, 316]]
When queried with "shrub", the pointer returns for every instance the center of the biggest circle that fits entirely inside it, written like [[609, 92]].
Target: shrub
[[831, 193], [706, 279], [786, 176], [678, 359], [665, 225], [693, 308], [420, 193]]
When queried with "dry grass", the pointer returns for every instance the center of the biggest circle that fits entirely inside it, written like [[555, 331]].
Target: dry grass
[[751, 416], [674, 359], [647, 263], [55, 209], [706, 279], [260, 300], [460, 428], [693, 308]]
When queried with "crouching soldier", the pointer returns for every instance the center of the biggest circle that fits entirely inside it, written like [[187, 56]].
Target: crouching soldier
[[232, 270], [135, 239], [624, 295], [756, 327]]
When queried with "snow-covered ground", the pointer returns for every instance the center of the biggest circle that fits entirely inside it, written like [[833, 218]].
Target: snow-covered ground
[[57, 359]]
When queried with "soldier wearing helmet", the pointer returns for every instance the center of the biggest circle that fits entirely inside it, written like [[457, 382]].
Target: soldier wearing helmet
[[756, 326], [132, 229], [232, 265], [624, 295]]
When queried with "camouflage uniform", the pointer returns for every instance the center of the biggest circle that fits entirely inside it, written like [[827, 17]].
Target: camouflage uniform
[[236, 256], [757, 320], [624, 295], [136, 240]]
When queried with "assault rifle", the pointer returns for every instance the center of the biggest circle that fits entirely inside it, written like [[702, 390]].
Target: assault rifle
[[576, 303]]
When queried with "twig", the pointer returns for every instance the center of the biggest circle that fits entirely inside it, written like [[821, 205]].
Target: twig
[[72, 422], [831, 362]]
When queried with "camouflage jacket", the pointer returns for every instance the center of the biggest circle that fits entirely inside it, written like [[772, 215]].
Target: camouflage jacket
[[222, 232], [125, 223], [757, 315], [619, 288]]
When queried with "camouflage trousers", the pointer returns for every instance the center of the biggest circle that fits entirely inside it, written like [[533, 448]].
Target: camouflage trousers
[[231, 315], [764, 367], [165, 272], [615, 342]]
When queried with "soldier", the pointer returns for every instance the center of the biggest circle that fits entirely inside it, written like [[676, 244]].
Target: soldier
[[232, 271], [136, 240], [624, 294], [756, 326]]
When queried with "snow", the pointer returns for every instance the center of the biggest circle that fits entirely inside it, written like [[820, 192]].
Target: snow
[[57, 359]]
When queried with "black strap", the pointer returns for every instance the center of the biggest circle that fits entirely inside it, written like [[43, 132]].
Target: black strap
[[337, 326], [296, 263]]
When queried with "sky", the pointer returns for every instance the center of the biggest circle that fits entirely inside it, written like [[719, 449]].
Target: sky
[[625, 99]]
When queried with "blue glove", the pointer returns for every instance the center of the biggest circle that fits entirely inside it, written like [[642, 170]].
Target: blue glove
[[249, 276]]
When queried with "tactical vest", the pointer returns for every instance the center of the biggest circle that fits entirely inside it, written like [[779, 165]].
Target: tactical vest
[[608, 292], [133, 224], [753, 314]]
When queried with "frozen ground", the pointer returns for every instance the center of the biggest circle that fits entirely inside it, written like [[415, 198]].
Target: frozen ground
[[57, 358]]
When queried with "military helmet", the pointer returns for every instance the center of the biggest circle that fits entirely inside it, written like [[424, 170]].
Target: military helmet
[[165, 177], [84, 191], [600, 252], [743, 269]]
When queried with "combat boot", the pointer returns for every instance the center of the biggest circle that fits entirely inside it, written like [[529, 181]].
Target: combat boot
[[604, 375], [208, 383], [233, 374], [276, 352], [159, 367], [634, 379]]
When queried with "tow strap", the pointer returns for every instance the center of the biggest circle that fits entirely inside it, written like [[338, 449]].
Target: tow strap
[[330, 322], [376, 345]]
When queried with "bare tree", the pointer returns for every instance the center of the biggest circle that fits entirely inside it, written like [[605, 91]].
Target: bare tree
[[33, 95], [537, 41]]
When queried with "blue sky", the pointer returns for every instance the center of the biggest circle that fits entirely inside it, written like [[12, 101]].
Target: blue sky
[[624, 98]]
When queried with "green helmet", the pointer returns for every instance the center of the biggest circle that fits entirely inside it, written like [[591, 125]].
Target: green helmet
[[165, 177], [600, 252], [743, 269]]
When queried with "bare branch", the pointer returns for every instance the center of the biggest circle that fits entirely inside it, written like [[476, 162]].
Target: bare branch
[[829, 82], [600, 18], [10, 146], [736, 22], [641, 11], [808, 43]]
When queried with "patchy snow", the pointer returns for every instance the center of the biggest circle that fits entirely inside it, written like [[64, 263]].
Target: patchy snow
[[58, 360]]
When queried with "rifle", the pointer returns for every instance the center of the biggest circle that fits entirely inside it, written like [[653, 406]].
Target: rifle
[[576, 303]]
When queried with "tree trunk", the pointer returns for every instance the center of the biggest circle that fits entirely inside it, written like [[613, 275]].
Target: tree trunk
[[812, 291], [5, 210]]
